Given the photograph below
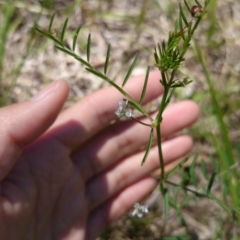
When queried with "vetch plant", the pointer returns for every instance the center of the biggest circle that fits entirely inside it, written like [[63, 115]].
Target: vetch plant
[[168, 55]]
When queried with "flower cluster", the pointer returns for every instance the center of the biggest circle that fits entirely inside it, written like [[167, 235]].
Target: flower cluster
[[139, 210], [123, 110]]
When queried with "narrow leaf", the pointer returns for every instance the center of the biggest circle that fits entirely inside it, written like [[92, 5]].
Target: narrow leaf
[[64, 29], [166, 199], [107, 59], [181, 31], [175, 190], [169, 97], [156, 57], [130, 70], [204, 169], [220, 203], [179, 166], [185, 178], [166, 205], [181, 218], [136, 106], [145, 85], [51, 23], [225, 192], [215, 165], [188, 7], [192, 171], [176, 25], [75, 39], [210, 183], [148, 147], [196, 198], [198, 3], [182, 15], [88, 47]]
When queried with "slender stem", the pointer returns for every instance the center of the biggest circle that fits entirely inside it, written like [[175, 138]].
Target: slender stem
[[160, 153], [158, 129], [188, 189], [145, 124]]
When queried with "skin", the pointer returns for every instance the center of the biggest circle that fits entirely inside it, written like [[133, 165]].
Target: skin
[[69, 175]]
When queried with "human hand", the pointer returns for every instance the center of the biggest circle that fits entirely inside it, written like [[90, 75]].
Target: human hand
[[70, 175]]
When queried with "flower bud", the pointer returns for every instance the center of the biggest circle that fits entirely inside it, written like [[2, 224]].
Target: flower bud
[[196, 11]]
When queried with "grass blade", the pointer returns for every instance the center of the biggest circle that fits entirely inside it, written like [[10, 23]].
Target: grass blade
[[130, 70], [107, 59], [51, 23], [145, 85], [75, 39], [210, 183], [165, 194], [175, 190], [214, 164], [148, 147], [192, 171], [88, 47], [64, 30], [225, 192]]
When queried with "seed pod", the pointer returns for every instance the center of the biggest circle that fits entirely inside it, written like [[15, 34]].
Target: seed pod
[[196, 11]]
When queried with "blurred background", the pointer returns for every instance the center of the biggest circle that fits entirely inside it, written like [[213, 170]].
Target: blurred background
[[28, 61]]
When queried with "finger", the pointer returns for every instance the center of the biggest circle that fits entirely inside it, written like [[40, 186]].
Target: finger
[[22, 123], [95, 111], [126, 172], [116, 207], [126, 138]]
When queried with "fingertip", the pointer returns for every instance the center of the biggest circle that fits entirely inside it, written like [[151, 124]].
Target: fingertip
[[181, 144], [27, 120], [193, 108], [60, 86]]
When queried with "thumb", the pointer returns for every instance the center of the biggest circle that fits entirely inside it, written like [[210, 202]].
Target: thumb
[[22, 123]]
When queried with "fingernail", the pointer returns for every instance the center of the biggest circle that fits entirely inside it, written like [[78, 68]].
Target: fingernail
[[51, 88]]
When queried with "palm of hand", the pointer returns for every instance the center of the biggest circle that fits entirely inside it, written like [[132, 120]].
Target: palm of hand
[[77, 178]]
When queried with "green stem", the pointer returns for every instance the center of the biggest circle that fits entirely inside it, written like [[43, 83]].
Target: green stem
[[145, 124], [158, 128], [160, 153]]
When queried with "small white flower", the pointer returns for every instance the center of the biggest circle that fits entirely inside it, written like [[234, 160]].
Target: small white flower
[[129, 113], [122, 110], [139, 210]]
